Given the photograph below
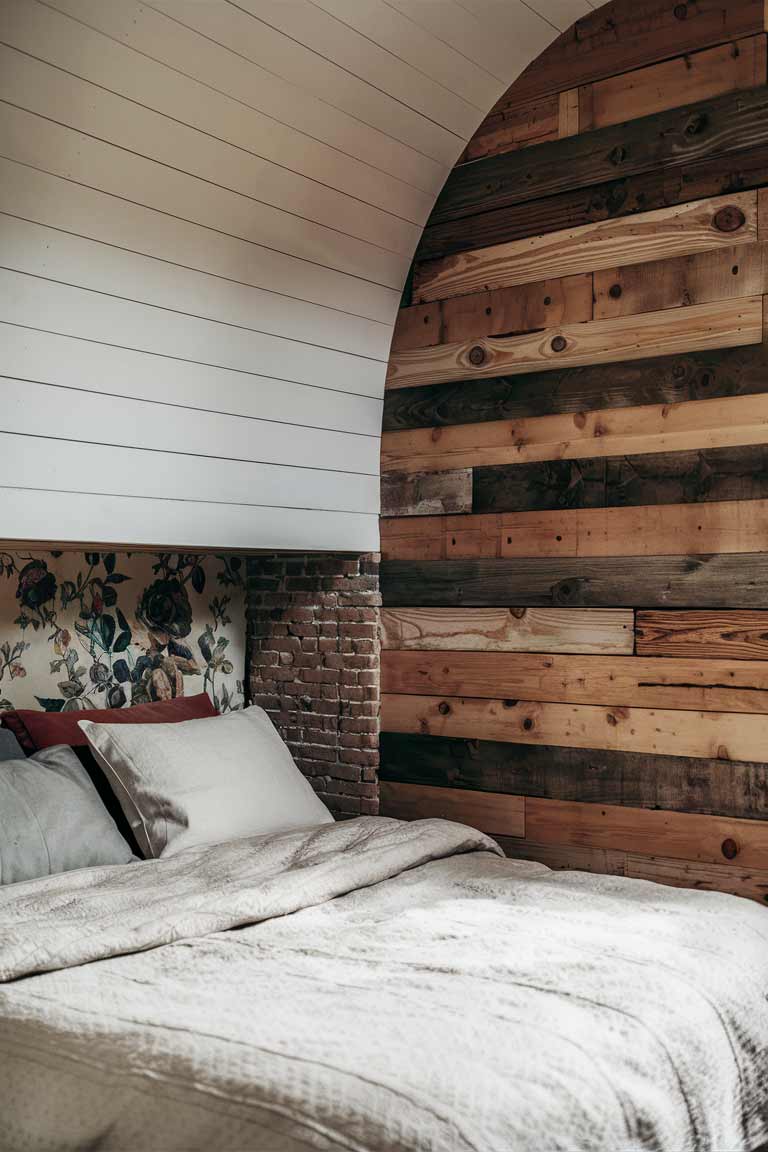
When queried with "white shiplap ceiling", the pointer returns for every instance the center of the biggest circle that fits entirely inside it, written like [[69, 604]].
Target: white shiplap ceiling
[[208, 209]]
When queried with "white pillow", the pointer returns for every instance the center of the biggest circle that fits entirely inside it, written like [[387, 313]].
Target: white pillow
[[203, 781]]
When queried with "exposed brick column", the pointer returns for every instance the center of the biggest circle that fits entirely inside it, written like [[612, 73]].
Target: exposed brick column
[[313, 642]]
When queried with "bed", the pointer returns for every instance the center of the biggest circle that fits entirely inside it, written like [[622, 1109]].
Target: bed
[[374, 984]]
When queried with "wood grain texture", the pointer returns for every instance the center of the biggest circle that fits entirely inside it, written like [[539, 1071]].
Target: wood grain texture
[[735, 635], [690, 684], [698, 529], [705, 735], [655, 380], [686, 836], [561, 857], [426, 493], [625, 36], [585, 630], [727, 274], [695, 477], [588, 775], [685, 79], [680, 230], [510, 125], [668, 140], [734, 421], [751, 883], [418, 326], [714, 581], [484, 810]]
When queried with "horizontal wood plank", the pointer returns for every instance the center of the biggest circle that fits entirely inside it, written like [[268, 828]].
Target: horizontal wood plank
[[732, 526], [511, 125], [735, 420], [714, 581], [752, 883], [585, 630], [426, 493], [680, 230], [565, 857], [691, 684], [658, 731], [687, 836], [735, 635], [701, 477], [588, 775], [484, 810]]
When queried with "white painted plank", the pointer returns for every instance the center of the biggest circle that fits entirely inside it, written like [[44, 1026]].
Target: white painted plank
[[281, 240], [40, 88], [423, 51], [48, 358], [70, 311], [39, 462], [79, 518], [562, 13], [516, 22], [222, 69], [56, 255], [238, 30], [29, 409], [92, 56]]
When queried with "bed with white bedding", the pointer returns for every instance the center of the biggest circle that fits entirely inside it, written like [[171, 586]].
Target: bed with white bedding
[[378, 985]]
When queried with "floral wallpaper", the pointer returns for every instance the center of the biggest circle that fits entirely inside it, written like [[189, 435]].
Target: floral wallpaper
[[112, 629]]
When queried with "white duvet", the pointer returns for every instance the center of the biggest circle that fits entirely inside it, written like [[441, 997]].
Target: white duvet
[[399, 986]]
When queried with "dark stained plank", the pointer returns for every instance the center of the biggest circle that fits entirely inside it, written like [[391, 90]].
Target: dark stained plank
[[721, 581], [426, 493], [666, 140], [694, 477], [657, 380], [735, 635], [596, 776]]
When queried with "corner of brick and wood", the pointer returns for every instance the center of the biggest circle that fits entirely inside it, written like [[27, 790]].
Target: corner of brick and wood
[[575, 463]]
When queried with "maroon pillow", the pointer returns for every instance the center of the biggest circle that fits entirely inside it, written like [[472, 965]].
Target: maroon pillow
[[36, 730]]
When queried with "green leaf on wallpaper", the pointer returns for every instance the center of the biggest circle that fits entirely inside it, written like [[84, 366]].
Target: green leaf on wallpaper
[[105, 627], [116, 578], [123, 641], [109, 596], [121, 620], [198, 579], [68, 591], [109, 561], [69, 689], [49, 705], [92, 558]]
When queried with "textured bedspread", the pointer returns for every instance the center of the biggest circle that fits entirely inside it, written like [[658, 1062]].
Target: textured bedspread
[[399, 987]]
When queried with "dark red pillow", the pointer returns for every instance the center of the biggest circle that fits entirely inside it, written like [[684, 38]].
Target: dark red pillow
[[36, 730]]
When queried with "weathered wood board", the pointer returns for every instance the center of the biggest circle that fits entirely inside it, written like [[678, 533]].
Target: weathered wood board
[[585, 630], [426, 493], [502, 814], [732, 635]]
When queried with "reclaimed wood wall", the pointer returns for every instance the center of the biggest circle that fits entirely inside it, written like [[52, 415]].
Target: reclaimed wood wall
[[575, 462]]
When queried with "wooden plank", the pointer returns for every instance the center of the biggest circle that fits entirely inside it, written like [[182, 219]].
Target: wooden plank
[[419, 326], [727, 274], [683, 835], [625, 36], [510, 126], [568, 123], [426, 493], [588, 775], [694, 76], [705, 735], [483, 810], [679, 230], [731, 422], [663, 530], [751, 883], [708, 685], [715, 581], [735, 635], [711, 475], [586, 630], [519, 308], [656, 380], [561, 857]]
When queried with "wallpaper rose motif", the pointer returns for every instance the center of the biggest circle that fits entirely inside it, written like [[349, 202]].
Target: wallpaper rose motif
[[108, 630]]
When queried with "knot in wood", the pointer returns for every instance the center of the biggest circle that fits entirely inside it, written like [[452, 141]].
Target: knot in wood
[[528, 724], [477, 355], [444, 708], [680, 11], [729, 219], [510, 704], [558, 344], [617, 154], [729, 849], [615, 291], [696, 124]]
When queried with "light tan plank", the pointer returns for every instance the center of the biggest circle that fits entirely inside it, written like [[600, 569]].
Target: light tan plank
[[491, 812], [729, 526], [751, 883], [520, 308], [685, 79], [568, 123], [706, 735], [718, 423], [579, 630], [648, 832], [666, 232], [426, 493], [560, 857], [723, 324], [419, 326], [724, 274], [734, 634], [638, 681]]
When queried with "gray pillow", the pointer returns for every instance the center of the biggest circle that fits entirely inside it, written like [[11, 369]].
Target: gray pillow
[[51, 818], [10, 749]]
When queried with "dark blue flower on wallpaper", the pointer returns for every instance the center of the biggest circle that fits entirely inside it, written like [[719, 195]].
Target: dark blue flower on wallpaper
[[37, 586], [164, 609]]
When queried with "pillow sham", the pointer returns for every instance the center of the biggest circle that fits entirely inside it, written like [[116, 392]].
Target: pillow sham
[[51, 818], [204, 781]]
